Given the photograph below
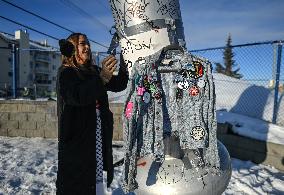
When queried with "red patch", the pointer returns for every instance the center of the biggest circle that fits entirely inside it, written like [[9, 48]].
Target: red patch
[[200, 73], [193, 91], [141, 164]]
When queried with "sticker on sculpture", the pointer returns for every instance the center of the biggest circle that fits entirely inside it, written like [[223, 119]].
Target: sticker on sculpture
[[146, 97], [128, 111], [197, 133], [197, 72], [194, 91]]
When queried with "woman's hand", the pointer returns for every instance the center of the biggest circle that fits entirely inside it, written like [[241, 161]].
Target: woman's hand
[[108, 67]]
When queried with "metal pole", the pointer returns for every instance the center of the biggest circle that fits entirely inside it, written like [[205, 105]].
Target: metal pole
[[98, 58], [6, 91], [276, 88], [14, 87], [272, 84], [35, 92]]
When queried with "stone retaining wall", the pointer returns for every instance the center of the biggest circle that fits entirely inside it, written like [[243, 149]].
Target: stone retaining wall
[[28, 118], [244, 148], [117, 110], [39, 119], [259, 152]]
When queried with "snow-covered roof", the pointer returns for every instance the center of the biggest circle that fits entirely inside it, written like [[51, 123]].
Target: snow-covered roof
[[33, 44], [7, 37], [36, 45]]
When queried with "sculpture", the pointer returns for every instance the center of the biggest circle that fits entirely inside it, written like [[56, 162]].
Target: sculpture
[[170, 118]]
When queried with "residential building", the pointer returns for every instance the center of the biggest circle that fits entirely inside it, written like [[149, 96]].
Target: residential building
[[36, 63]]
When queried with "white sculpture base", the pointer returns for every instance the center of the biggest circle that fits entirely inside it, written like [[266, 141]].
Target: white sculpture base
[[174, 178]]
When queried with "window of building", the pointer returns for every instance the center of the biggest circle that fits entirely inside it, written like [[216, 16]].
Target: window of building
[[31, 64], [53, 67], [10, 74], [53, 56], [10, 59]]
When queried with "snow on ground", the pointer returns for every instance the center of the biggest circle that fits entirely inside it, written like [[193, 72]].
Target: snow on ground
[[252, 127], [244, 98], [29, 166]]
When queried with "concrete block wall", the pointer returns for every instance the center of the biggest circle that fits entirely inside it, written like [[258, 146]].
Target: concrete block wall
[[117, 110], [28, 118], [245, 148], [39, 119]]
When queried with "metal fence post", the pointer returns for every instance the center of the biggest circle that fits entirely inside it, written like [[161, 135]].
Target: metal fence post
[[35, 91], [6, 91], [14, 54], [98, 59], [276, 88]]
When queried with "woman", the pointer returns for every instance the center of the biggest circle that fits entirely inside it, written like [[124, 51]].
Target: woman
[[85, 123]]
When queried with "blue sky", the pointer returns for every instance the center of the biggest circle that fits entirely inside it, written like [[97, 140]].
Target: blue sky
[[207, 23]]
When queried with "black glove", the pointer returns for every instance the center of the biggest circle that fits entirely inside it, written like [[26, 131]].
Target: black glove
[[110, 177], [122, 65]]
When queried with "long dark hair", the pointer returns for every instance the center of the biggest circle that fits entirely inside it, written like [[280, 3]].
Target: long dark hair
[[71, 61]]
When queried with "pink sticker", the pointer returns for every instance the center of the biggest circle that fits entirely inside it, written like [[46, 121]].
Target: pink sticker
[[140, 91], [128, 110]]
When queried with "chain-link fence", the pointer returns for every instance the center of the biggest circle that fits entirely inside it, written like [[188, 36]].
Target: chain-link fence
[[259, 93], [28, 73], [34, 92], [37, 67]]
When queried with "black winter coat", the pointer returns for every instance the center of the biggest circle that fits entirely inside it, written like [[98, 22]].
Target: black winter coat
[[77, 93]]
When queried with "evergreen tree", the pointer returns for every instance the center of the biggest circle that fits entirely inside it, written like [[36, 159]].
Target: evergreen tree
[[220, 68], [229, 62]]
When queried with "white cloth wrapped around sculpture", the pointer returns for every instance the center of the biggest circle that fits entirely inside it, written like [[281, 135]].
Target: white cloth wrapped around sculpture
[[169, 117]]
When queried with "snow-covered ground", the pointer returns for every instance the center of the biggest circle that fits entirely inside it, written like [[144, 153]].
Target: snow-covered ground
[[247, 99], [29, 165]]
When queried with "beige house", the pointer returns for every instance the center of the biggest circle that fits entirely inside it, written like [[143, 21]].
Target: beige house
[[6, 61], [36, 63]]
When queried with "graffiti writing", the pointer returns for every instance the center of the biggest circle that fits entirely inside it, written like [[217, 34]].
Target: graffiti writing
[[117, 13], [128, 63], [170, 173], [171, 9], [135, 45], [137, 9], [125, 11]]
